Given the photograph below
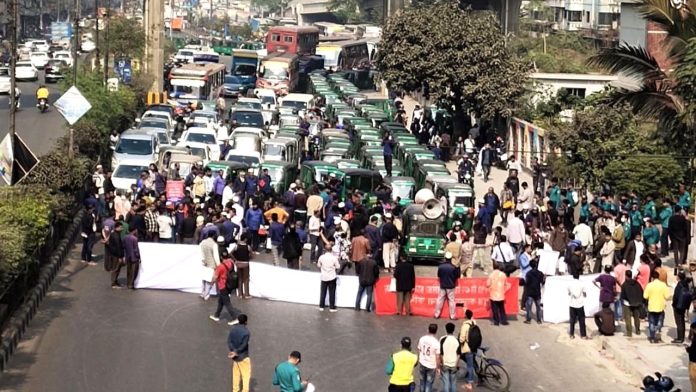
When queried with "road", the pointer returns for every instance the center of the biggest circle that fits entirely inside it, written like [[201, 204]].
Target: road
[[88, 337], [38, 130]]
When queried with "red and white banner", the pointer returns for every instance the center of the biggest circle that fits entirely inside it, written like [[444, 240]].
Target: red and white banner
[[174, 190], [471, 292]]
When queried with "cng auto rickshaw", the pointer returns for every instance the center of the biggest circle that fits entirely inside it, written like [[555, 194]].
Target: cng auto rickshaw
[[231, 168], [314, 172], [282, 174], [402, 187], [460, 204], [424, 231], [363, 180]]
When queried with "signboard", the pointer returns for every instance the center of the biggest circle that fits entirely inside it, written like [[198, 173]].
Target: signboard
[[124, 69], [6, 159], [72, 105], [174, 190], [24, 160], [472, 293]]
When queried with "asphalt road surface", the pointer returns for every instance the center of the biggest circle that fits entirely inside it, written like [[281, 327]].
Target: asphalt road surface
[[88, 337], [38, 130]]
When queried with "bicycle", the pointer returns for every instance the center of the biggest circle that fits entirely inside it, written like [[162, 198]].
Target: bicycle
[[490, 372]]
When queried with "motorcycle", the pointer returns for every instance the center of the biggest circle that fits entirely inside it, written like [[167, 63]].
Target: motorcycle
[[466, 177], [42, 105]]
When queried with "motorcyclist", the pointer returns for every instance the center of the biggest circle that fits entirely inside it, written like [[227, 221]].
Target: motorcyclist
[[42, 93], [466, 166]]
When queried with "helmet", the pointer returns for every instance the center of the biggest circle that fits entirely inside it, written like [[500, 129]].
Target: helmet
[[665, 384], [648, 381]]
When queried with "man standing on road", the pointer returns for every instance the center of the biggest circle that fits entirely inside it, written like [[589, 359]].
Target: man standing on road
[[238, 343], [328, 265], [287, 375], [449, 359], [389, 248], [577, 294], [487, 158], [657, 293], [224, 289], [367, 277], [132, 255], [276, 231], [114, 245], [400, 368], [211, 258], [679, 232], [89, 227], [428, 358], [359, 249], [496, 284], [466, 352], [448, 275], [533, 281]]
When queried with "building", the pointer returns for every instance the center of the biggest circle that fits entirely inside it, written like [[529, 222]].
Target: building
[[636, 31], [576, 15]]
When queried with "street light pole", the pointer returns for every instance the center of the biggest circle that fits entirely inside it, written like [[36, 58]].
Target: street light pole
[[13, 67]]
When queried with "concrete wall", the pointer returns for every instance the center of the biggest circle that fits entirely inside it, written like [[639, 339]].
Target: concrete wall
[[632, 28], [548, 84]]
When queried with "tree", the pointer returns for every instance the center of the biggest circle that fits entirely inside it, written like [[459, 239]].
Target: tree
[[347, 11], [457, 56], [646, 175], [598, 136], [126, 38], [658, 94]]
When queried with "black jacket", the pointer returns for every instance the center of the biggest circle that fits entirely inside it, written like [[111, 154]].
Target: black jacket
[[405, 275], [87, 223], [632, 292], [369, 272], [533, 282], [115, 245], [681, 300], [292, 247], [389, 232], [678, 227]]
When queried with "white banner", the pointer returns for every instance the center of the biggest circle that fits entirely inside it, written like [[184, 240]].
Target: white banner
[[179, 267], [557, 301], [170, 267]]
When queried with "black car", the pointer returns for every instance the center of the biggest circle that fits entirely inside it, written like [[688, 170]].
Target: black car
[[246, 118], [54, 71]]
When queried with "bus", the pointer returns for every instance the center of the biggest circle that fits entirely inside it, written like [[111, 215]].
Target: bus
[[292, 39], [196, 81], [206, 57], [279, 72], [345, 55]]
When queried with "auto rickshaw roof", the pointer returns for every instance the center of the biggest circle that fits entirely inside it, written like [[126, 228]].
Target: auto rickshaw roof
[[283, 164], [399, 180]]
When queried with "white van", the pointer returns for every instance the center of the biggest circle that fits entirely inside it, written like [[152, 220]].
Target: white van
[[135, 144]]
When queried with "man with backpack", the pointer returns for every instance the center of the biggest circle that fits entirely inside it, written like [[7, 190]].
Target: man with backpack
[[450, 349], [470, 339], [226, 278]]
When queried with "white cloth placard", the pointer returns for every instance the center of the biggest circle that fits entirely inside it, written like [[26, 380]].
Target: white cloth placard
[[548, 261], [556, 300], [179, 267]]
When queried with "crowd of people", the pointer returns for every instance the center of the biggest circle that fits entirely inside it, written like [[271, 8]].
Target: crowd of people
[[233, 217]]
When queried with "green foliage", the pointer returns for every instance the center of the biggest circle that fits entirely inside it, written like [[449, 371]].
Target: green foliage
[[564, 52], [25, 216], [467, 67], [347, 11], [59, 173], [598, 136], [110, 110], [126, 38], [544, 112], [654, 175]]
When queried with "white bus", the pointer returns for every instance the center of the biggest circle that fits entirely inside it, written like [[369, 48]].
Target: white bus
[[196, 81], [345, 55]]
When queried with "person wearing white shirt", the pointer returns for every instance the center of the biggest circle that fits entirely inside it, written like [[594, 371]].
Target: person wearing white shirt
[[208, 180], [513, 164], [165, 223], [227, 194], [525, 199], [583, 233], [470, 145], [577, 294], [314, 230], [516, 231], [328, 265], [505, 255], [428, 358]]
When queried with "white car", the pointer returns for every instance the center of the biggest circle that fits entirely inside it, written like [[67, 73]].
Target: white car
[[65, 56], [127, 173], [253, 130], [184, 56], [39, 59], [194, 136], [5, 84], [160, 114], [40, 45], [253, 158], [88, 46], [251, 103], [25, 70]]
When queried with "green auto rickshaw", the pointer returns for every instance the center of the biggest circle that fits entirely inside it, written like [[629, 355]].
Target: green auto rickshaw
[[313, 172], [460, 204], [423, 239], [403, 188], [282, 174], [363, 180]]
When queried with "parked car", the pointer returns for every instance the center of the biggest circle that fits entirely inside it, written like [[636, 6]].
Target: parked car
[[54, 71], [5, 84], [24, 70]]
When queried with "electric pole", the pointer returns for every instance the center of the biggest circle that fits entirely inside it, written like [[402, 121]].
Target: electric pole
[[106, 40], [96, 41], [13, 66], [154, 37]]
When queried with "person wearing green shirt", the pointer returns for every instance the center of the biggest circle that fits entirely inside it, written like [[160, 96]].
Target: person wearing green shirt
[[555, 193], [584, 208], [400, 368], [651, 236], [684, 198], [649, 210], [287, 375], [665, 213], [636, 220]]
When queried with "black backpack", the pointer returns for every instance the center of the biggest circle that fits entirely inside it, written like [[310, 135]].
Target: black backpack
[[474, 338], [232, 281]]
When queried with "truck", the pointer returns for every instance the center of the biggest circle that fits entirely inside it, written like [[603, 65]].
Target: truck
[[177, 24], [245, 65]]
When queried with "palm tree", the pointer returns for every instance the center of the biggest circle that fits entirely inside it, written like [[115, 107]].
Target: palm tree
[[657, 95]]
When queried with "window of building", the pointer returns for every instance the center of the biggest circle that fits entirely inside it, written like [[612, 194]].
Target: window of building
[[275, 37], [587, 16], [578, 92], [605, 18], [575, 16], [287, 38]]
